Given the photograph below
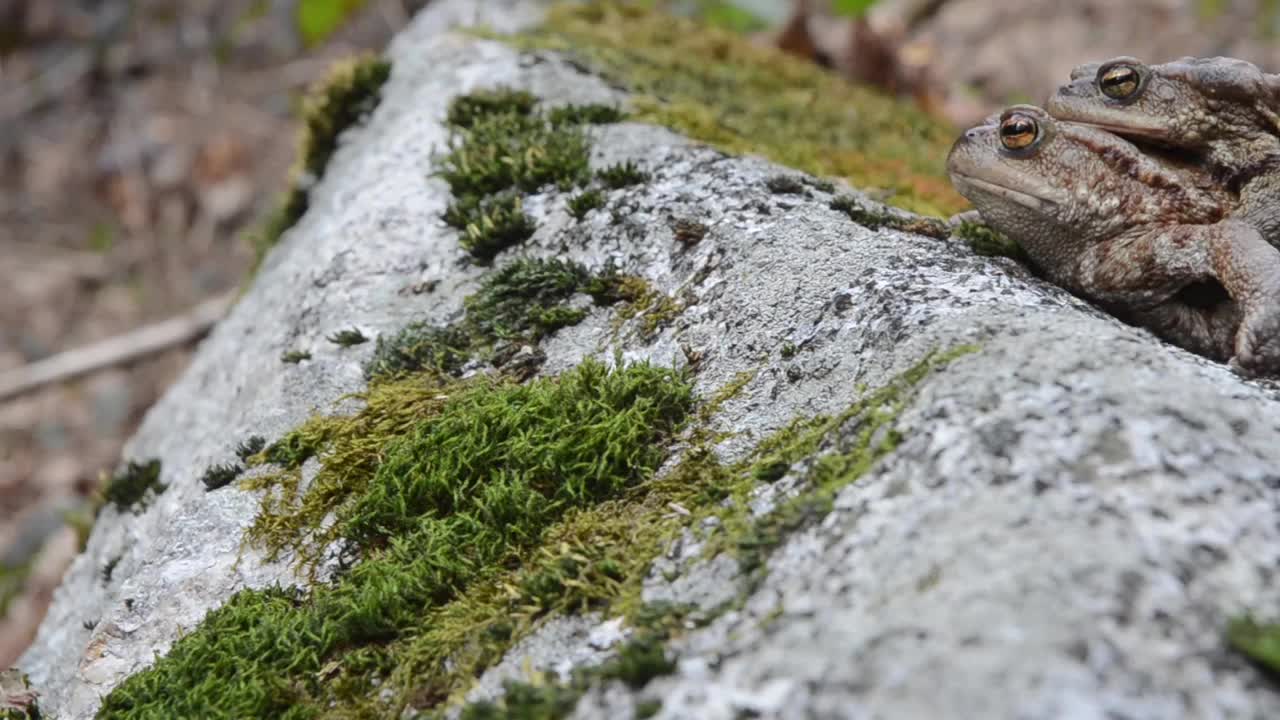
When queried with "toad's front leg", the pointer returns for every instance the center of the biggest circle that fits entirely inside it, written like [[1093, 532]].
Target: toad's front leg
[[1249, 268], [1139, 272]]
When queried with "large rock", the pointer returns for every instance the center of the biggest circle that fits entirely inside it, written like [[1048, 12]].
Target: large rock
[[1074, 511]]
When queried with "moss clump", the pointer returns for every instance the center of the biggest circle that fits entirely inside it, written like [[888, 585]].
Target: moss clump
[[252, 445], [473, 483], [520, 303], [785, 185], [132, 488], [220, 475], [347, 338], [501, 147], [990, 243], [419, 346], [863, 434], [290, 451], [655, 309], [490, 224], [507, 151], [876, 219], [639, 660], [348, 93], [108, 569], [718, 87], [589, 114], [13, 579], [622, 175], [465, 111], [584, 202], [1260, 642], [293, 357]]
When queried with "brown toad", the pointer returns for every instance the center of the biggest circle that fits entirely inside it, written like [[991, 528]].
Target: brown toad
[[1222, 111], [1141, 236]]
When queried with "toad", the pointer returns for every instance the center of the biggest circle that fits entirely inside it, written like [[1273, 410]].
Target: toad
[[1222, 111], [1145, 238]]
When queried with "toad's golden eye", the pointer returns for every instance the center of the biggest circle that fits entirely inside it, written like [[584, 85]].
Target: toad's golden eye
[[1018, 132], [1119, 82]]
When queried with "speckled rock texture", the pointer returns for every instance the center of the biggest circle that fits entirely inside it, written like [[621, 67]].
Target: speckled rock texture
[[1073, 514]]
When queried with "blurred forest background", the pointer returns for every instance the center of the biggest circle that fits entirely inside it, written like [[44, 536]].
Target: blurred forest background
[[142, 140]]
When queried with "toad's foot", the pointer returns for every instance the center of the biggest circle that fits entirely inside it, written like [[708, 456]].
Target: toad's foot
[[1258, 343]]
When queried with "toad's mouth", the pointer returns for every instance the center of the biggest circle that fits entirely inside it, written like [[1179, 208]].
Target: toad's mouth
[[1018, 195], [1140, 132]]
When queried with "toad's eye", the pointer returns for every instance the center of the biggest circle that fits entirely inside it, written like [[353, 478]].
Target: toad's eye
[[1119, 82], [1018, 132]]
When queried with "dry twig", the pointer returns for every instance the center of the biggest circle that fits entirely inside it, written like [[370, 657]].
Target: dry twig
[[118, 350]]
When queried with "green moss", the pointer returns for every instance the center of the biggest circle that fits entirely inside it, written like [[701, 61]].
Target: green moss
[[638, 661], [505, 151], [990, 243], [252, 445], [520, 303], [293, 357], [419, 346], [220, 475], [347, 338], [490, 224], [466, 110], [133, 487], [291, 450], [468, 484], [108, 569], [13, 579], [654, 308], [347, 93], [876, 219], [588, 114], [853, 441], [621, 175], [715, 86], [786, 185], [1260, 642], [584, 202], [503, 147]]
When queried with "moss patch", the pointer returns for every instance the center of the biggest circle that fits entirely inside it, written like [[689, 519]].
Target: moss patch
[[640, 659], [13, 579], [220, 475], [520, 303], [584, 202], [348, 93], [348, 338], [876, 219], [476, 479], [502, 146], [1260, 642], [715, 86], [622, 175], [132, 488], [466, 511], [990, 243]]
